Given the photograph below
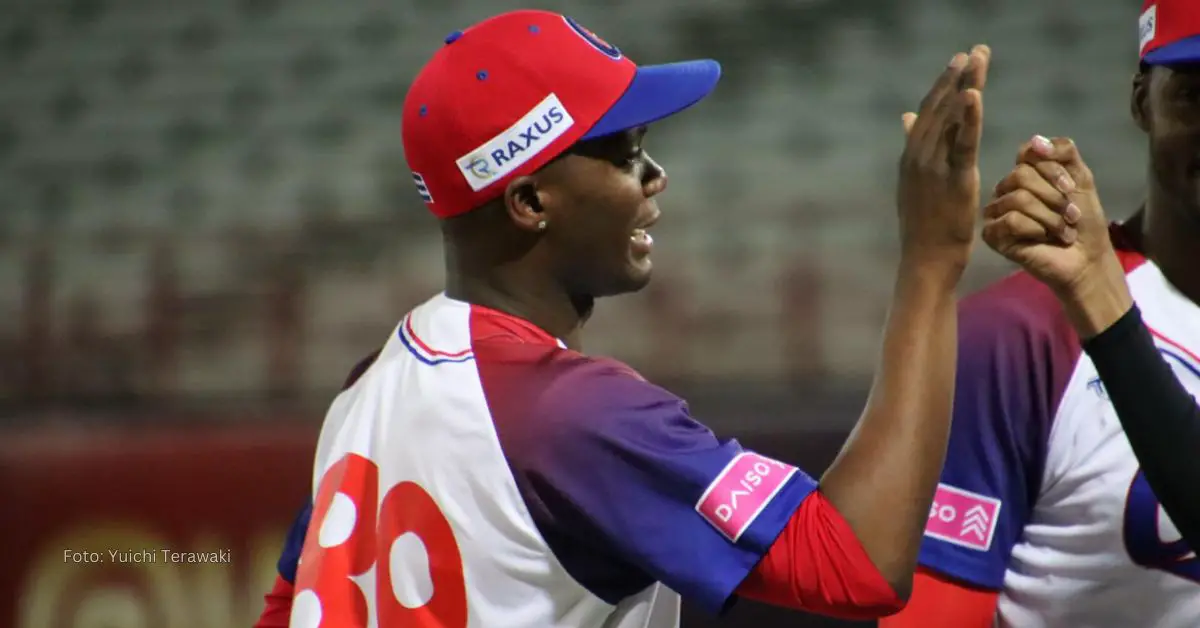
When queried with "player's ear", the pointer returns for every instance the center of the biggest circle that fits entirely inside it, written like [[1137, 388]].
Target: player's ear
[[523, 204], [1139, 103]]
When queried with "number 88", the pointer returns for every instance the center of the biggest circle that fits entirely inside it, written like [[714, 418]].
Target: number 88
[[345, 540]]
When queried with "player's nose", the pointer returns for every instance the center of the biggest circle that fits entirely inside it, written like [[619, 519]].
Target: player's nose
[[654, 179]]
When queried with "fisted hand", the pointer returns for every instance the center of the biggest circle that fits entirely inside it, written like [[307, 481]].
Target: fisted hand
[[1046, 216], [938, 192]]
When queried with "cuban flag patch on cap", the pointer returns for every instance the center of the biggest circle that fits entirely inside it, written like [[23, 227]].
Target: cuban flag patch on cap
[[422, 189]]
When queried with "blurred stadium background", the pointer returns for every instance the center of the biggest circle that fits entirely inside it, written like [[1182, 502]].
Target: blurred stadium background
[[206, 220]]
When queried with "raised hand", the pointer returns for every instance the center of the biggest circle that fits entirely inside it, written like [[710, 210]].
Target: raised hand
[[1047, 217], [938, 193], [884, 480]]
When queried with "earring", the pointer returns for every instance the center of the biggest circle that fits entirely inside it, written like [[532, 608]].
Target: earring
[[541, 225]]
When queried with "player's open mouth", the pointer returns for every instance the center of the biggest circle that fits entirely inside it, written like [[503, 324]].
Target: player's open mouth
[[640, 240], [641, 237]]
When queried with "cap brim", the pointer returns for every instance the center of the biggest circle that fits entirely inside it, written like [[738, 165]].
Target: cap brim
[[1182, 51], [658, 91]]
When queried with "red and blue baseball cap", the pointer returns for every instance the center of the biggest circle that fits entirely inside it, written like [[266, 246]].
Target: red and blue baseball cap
[[1169, 32], [506, 96]]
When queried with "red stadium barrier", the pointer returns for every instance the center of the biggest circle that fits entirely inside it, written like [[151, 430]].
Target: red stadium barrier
[[78, 501]]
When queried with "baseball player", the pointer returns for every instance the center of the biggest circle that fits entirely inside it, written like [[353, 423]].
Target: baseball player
[[1073, 423], [482, 471]]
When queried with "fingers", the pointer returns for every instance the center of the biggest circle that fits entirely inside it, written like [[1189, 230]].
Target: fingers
[[966, 145], [1047, 181], [1021, 210], [1013, 230], [975, 74], [965, 148], [908, 120], [949, 124], [931, 114], [1062, 150], [944, 85], [1056, 175]]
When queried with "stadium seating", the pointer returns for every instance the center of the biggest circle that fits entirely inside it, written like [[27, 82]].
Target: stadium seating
[[227, 139]]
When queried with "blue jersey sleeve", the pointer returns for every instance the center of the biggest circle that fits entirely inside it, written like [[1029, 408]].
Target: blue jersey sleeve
[[626, 473], [289, 558], [1016, 353]]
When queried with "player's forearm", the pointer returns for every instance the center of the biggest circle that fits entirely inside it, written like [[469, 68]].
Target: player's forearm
[[884, 479]]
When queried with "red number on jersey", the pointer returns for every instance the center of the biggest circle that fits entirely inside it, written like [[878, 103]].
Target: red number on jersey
[[345, 540], [408, 509]]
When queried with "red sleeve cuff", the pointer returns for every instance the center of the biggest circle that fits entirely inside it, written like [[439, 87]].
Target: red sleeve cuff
[[818, 565], [278, 609], [938, 602]]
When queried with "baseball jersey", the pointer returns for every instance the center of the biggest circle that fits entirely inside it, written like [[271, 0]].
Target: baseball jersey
[[1041, 497], [479, 473]]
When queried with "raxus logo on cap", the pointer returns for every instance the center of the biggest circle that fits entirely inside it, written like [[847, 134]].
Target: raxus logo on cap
[[503, 98], [506, 152]]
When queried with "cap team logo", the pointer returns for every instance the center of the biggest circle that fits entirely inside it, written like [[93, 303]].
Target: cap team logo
[[509, 150], [593, 39]]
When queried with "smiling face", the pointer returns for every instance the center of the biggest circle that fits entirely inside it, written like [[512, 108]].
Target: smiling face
[[598, 202]]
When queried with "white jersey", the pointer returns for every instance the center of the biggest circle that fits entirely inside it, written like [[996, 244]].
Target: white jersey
[[1042, 497], [481, 475]]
